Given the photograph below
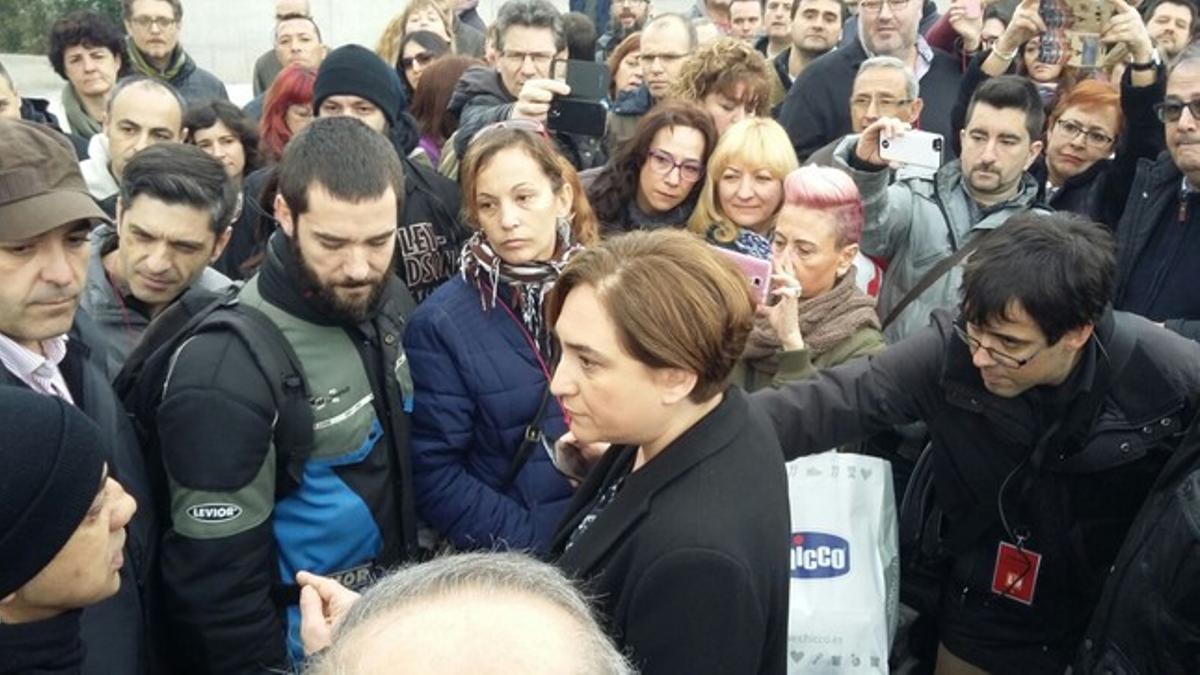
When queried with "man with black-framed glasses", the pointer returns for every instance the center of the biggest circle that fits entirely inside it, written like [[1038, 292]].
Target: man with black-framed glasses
[[1159, 232], [667, 41], [153, 50], [1050, 417], [529, 37]]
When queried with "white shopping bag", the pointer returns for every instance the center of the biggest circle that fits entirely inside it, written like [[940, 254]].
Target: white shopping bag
[[845, 566]]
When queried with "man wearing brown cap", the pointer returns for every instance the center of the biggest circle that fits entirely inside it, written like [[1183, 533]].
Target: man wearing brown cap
[[49, 347]]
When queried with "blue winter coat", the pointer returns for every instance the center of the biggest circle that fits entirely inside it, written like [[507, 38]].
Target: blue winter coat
[[478, 384]]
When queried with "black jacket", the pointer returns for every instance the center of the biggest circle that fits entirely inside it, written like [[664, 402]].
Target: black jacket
[[116, 632], [817, 107], [49, 647], [215, 425], [480, 99], [1076, 508], [1155, 190], [1148, 620], [1100, 193], [690, 560], [38, 110]]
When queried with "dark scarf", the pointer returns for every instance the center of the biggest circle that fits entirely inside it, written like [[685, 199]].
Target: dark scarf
[[140, 65], [825, 321], [529, 282]]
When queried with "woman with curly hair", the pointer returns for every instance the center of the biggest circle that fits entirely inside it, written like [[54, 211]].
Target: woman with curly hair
[[729, 79], [653, 179], [287, 108], [743, 189]]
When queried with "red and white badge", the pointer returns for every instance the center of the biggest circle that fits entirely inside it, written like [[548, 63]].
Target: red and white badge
[[1016, 573]]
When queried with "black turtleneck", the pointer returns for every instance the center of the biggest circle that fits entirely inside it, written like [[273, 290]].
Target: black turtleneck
[[50, 647]]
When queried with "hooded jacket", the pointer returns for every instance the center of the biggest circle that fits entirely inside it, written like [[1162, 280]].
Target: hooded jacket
[[480, 99], [118, 318], [96, 170], [915, 223]]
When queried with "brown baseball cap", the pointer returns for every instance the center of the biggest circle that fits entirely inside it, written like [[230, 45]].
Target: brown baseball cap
[[41, 187]]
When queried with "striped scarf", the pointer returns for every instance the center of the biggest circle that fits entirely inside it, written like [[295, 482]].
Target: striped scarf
[[529, 282]]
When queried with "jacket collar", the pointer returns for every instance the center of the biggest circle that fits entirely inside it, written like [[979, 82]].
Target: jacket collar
[[950, 177], [706, 438]]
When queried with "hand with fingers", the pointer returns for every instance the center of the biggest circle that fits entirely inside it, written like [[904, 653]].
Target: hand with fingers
[[968, 24], [867, 149], [323, 604], [1025, 25], [533, 101], [1126, 27], [783, 311]]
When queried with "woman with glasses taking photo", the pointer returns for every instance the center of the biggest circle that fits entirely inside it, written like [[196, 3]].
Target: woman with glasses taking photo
[[1094, 134], [655, 177], [479, 349]]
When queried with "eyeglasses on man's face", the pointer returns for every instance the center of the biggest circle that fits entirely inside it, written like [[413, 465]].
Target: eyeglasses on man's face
[[1171, 109], [517, 59], [159, 22], [876, 6], [1006, 360]]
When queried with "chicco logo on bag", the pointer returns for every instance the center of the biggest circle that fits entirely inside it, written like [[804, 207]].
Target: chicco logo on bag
[[213, 514], [816, 555]]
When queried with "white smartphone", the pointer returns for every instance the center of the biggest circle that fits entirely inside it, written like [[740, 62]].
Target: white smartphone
[[915, 148]]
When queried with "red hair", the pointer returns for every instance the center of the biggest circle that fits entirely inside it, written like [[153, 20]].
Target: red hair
[[293, 86], [1092, 95], [822, 188]]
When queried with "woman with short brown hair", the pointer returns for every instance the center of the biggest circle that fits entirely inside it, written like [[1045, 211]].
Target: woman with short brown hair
[[680, 529]]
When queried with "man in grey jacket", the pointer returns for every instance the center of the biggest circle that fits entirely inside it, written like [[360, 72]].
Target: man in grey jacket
[[916, 222], [173, 213]]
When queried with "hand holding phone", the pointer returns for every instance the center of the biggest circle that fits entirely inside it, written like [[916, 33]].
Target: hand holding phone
[[914, 148], [756, 270]]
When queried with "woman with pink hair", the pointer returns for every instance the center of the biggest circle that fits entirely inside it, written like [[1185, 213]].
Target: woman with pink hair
[[816, 316]]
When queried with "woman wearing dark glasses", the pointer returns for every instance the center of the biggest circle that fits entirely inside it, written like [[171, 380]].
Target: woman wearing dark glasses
[[479, 349], [417, 51]]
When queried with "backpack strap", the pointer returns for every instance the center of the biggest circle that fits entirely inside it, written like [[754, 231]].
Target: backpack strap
[[936, 272], [292, 430], [533, 436]]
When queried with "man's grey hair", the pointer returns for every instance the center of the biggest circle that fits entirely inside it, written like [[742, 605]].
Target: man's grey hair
[[512, 572], [912, 87], [533, 14], [693, 39], [143, 82]]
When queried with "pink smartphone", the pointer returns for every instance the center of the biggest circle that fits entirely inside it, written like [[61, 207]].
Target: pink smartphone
[[973, 9], [756, 270]]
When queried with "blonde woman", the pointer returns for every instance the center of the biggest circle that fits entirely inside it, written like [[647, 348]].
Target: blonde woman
[[743, 188]]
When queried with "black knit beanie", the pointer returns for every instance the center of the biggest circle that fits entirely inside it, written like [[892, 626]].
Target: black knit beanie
[[51, 462], [354, 70]]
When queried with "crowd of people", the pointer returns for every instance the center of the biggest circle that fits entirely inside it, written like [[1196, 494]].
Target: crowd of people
[[400, 367]]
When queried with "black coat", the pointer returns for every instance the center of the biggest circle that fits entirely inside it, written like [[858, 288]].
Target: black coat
[[1155, 190], [116, 632], [1148, 620], [690, 560], [1077, 508], [817, 107]]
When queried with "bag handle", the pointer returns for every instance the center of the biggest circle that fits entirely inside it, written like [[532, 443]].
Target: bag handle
[[533, 436]]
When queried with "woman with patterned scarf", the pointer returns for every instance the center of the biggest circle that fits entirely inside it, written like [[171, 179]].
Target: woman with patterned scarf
[[816, 317], [480, 350]]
